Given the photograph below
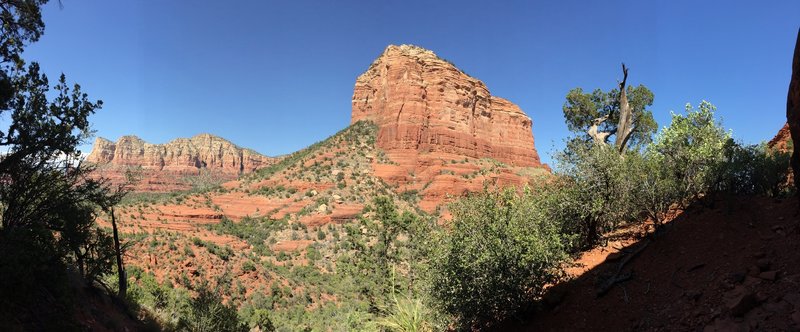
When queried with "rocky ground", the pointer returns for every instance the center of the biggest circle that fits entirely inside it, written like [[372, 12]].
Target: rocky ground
[[732, 267]]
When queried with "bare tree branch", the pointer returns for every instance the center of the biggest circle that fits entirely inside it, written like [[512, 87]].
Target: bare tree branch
[[625, 126]]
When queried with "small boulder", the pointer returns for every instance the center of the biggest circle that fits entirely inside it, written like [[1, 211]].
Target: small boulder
[[741, 304], [763, 264], [769, 275], [793, 299], [737, 277]]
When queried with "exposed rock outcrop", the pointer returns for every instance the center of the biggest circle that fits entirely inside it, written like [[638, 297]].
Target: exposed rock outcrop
[[441, 129], [782, 140], [424, 103], [182, 154], [793, 107], [163, 167]]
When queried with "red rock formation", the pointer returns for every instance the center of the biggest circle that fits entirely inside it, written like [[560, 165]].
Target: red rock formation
[[438, 125], [793, 107], [781, 140], [163, 166], [182, 154], [424, 103]]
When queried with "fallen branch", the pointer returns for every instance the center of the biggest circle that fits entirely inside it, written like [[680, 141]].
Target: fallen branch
[[617, 277], [625, 292]]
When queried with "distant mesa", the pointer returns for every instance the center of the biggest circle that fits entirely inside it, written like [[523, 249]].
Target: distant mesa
[[424, 103], [182, 154], [163, 165]]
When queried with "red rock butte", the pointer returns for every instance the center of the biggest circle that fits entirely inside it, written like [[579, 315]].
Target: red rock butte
[[424, 103]]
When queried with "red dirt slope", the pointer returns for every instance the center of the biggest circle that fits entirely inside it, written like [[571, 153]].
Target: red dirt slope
[[735, 267]]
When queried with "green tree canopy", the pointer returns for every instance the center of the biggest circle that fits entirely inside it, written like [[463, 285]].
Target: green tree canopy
[[582, 110], [48, 203]]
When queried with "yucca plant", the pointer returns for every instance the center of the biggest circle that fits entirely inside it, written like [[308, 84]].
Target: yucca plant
[[406, 315]]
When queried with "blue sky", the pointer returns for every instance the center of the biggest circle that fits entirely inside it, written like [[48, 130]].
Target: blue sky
[[277, 76]]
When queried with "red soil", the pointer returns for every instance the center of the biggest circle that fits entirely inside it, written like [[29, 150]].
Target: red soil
[[730, 268]]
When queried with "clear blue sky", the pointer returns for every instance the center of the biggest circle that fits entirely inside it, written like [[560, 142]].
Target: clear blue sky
[[277, 76]]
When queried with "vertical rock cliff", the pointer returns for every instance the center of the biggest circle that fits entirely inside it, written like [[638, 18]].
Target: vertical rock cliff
[[424, 103], [793, 107]]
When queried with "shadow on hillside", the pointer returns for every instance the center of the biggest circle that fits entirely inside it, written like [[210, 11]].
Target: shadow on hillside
[[728, 267]]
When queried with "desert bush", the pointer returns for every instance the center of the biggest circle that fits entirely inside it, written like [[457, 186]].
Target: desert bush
[[693, 149], [208, 313], [658, 190], [756, 170], [500, 253], [407, 315], [599, 188]]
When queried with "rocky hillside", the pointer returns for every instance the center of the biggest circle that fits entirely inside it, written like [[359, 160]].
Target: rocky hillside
[[174, 165], [438, 126], [288, 229]]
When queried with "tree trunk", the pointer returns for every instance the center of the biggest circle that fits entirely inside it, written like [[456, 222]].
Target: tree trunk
[[599, 137], [123, 279], [625, 126]]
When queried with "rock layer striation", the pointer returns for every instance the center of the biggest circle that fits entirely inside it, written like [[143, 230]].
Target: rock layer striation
[[183, 154], [162, 166], [424, 103]]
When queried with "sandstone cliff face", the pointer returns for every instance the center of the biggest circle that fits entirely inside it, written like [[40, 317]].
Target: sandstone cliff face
[[793, 107], [442, 130], [203, 151], [424, 103], [781, 140], [177, 165]]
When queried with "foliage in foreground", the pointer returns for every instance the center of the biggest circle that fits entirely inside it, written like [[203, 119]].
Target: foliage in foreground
[[500, 253], [693, 159], [48, 204], [504, 247], [407, 314]]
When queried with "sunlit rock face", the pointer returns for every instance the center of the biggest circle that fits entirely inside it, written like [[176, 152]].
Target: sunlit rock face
[[162, 167], [424, 103]]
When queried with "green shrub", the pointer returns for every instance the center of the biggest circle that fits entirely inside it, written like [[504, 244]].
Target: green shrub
[[756, 170], [658, 190], [501, 252], [208, 313], [693, 149], [407, 315], [599, 188], [248, 266]]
